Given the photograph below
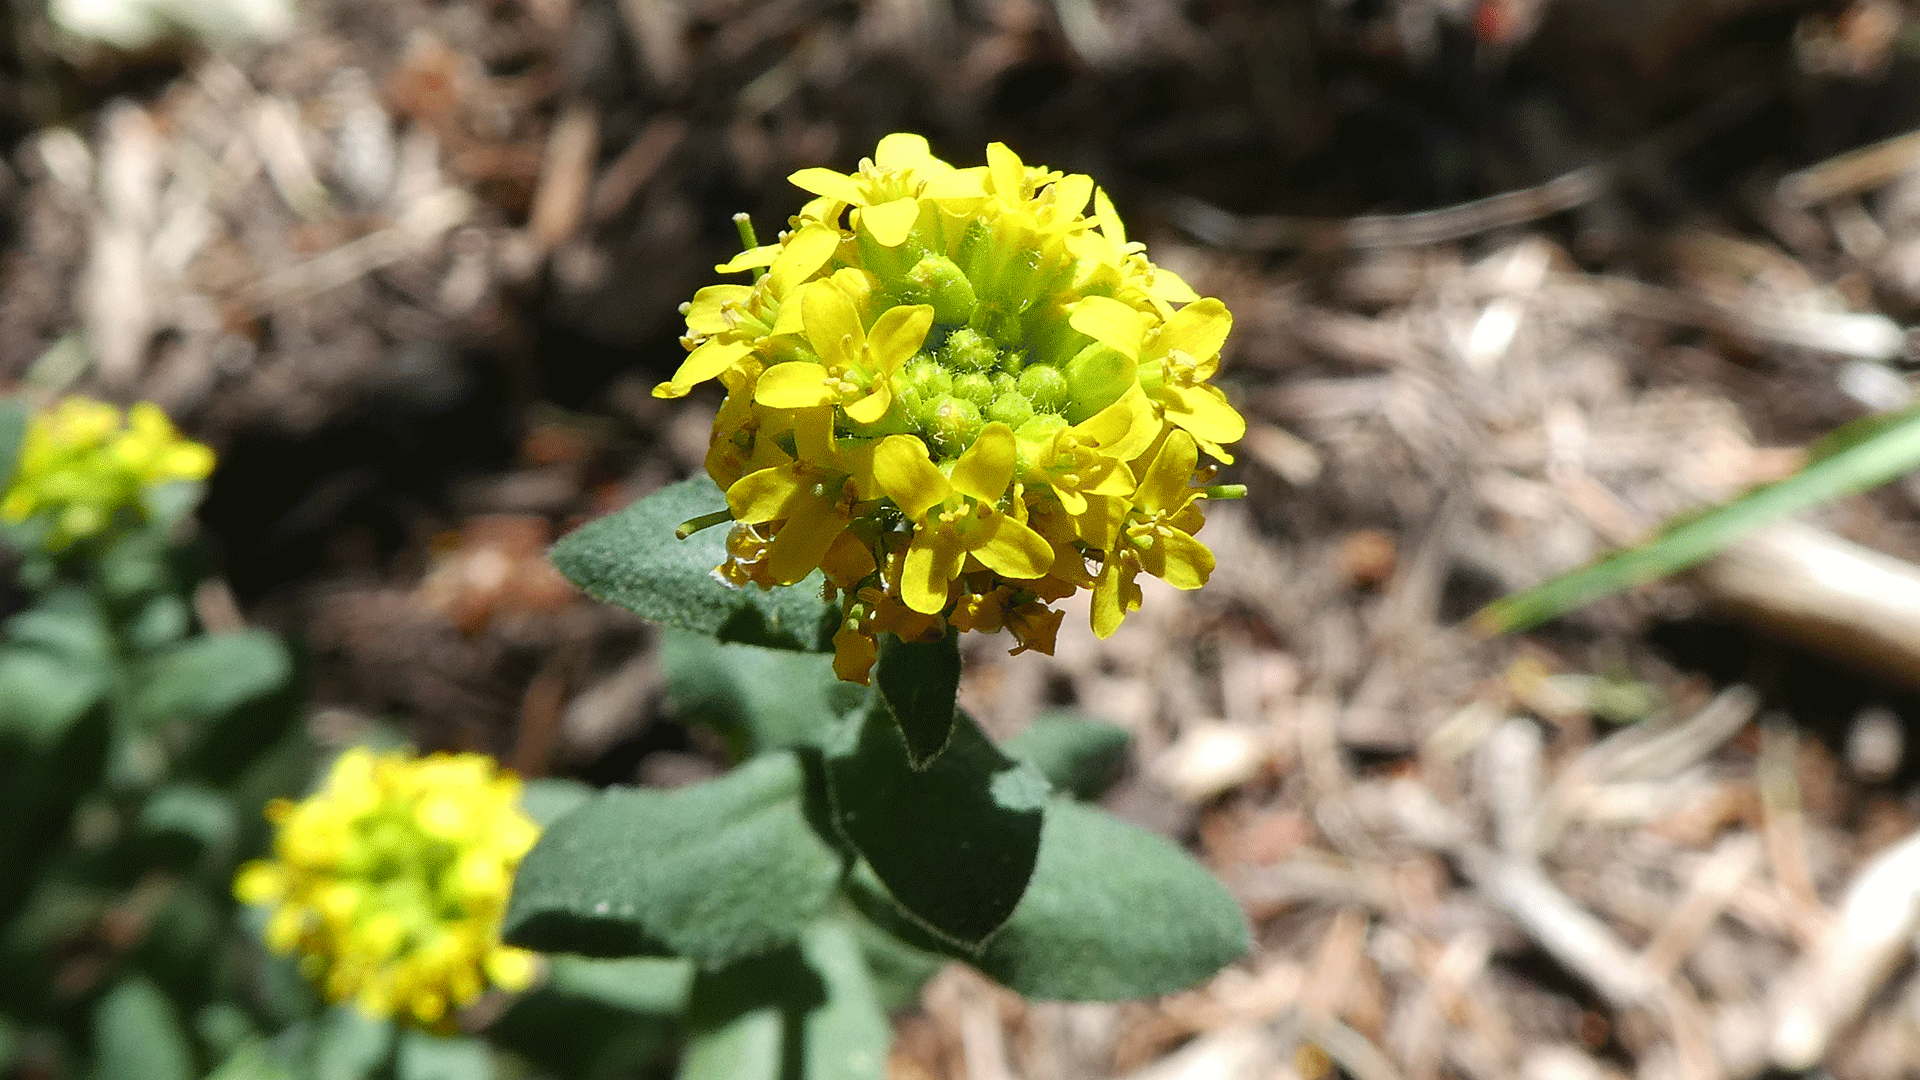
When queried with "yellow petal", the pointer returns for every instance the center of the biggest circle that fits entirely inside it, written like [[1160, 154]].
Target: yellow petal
[[933, 561], [1008, 173], [705, 362], [1178, 559], [1013, 550], [1164, 487], [813, 438], [986, 468], [891, 222], [833, 325], [795, 384], [1111, 323], [752, 259], [802, 543], [1070, 195], [805, 252], [904, 150], [831, 184], [1204, 412], [1123, 430], [763, 496], [903, 470], [704, 313], [1108, 217], [897, 334], [872, 408], [1109, 603], [956, 186], [1199, 330]]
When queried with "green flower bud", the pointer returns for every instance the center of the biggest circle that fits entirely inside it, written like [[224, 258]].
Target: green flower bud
[[1033, 437], [943, 284], [1096, 377], [1012, 409], [1045, 387], [969, 350], [925, 375], [974, 386], [955, 424]]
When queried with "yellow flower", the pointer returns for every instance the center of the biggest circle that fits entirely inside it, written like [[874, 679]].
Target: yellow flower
[[962, 393], [84, 467], [1157, 536], [390, 882]]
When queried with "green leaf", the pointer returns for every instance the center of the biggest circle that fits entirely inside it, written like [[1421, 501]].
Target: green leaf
[[203, 816], [807, 1013], [349, 1045], [632, 558], [253, 1060], [919, 681], [641, 984], [210, 676], [550, 798], [955, 842], [1077, 756], [1113, 912], [712, 872], [137, 1036], [763, 699], [439, 1057], [1859, 456], [42, 694], [14, 415]]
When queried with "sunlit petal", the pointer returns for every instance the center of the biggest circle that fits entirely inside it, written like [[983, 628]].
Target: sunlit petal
[[1111, 323], [796, 384]]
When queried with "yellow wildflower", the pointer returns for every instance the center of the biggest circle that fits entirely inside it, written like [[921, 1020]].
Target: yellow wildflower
[[390, 882], [963, 394], [84, 467]]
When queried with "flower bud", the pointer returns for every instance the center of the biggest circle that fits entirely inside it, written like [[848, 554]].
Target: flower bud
[[1096, 377], [941, 283], [955, 423], [968, 349], [1011, 408], [1045, 386], [974, 386]]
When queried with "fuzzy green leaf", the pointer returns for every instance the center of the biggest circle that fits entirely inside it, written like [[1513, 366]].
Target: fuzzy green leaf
[[919, 681], [806, 1013], [1079, 757], [713, 872], [954, 842], [137, 1035], [762, 699], [1113, 912], [632, 558], [209, 676]]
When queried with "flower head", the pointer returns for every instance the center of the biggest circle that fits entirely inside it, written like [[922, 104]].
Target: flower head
[[963, 397], [85, 465], [391, 880]]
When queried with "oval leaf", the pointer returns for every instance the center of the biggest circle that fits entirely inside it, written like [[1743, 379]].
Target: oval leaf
[[713, 872], [632, 558]]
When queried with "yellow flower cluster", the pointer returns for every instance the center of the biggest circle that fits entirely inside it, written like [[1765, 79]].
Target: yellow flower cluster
[[390, 882], [963, 397], [83, 465]]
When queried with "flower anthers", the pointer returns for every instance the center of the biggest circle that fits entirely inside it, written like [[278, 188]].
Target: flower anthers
[[390, 881], [963, 394], [85, 466]]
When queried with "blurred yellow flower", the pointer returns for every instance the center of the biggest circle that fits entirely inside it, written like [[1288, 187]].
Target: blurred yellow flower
[[963, 397], [390, 882], [84, 466]]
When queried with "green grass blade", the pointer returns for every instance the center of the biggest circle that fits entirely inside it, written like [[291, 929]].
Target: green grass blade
[[1858, 456]]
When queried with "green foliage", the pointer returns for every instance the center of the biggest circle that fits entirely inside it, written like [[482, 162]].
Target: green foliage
[[936, 842], [954, 842], [632, 558], [1859, 456], [1078, 757], [713, 872], [137, 1035], [918, 680]]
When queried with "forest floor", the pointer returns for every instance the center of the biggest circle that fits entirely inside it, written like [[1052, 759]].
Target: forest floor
[[1513, 284]]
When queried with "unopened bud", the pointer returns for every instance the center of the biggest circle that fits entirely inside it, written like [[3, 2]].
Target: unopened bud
[[945, 286], [1011, 408], [968, 349], [974, 386], [1045, 386], [955, 424], [1096, 377]]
